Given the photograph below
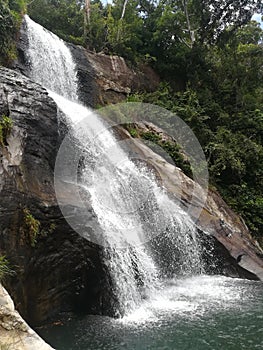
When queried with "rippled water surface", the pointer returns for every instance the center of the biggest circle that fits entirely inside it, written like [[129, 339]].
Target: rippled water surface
[[196, 313]]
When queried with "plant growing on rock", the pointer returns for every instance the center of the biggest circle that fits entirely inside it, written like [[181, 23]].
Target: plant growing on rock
[[48, 231], [133, 132], [5, 269], [32, 226], [32, 229], [6, 125], [170, 147]]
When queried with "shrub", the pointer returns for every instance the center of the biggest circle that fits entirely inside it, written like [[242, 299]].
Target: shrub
[[170, 147], [5, 269], [6, 125], [32, 226], [10, 21]]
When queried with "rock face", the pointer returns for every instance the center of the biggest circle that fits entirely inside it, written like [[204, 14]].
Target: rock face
[[15, 334], [103, 79], [114, 80], [62, 270], [230, 249]]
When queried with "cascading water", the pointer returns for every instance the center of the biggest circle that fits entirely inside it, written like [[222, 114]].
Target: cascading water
[[50, 61], [125, 197]]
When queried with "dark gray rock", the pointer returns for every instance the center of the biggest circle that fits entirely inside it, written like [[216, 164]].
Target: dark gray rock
[[87, 87], [63, 270], [21, 63]]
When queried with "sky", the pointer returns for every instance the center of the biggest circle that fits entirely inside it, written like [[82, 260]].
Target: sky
[[257, 17]]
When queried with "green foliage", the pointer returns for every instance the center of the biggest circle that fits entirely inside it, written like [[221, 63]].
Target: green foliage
[[10, 21], [32, 227], [175, 153], [133, 132], [48, 231], [63, 17], [6, 125], [96, 30], [164, 33], [151, 136], [7, 26], [169, 147], [5, 269], [136, 97], [223, 104]]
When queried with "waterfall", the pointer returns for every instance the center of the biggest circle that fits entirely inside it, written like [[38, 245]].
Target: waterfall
[[50, 61], [130, 206]]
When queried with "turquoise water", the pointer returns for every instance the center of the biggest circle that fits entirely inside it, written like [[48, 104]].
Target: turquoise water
[[196, 313]]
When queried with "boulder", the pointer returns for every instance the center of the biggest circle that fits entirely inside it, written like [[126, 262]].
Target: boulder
[[115, 80], [15, 334]]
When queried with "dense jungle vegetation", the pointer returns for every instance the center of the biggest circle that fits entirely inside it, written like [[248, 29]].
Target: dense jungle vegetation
[[209, 55]]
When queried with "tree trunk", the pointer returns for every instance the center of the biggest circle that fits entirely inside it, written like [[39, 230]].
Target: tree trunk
[[121, 18], [87, 11], [189, 28], [124, 9], [86, 18]]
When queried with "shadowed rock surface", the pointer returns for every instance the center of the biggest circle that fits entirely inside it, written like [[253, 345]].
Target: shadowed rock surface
[[114, 80], [61, 271]]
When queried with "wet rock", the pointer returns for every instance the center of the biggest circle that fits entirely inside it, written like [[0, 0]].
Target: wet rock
[[229, 248], [61, 270]]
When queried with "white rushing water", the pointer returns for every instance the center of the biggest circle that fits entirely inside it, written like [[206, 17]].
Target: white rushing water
[[131, 208], [50, 61]]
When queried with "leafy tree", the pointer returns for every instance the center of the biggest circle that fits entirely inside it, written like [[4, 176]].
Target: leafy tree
[[63, 17], [125, 29], [217, 15], [96, 34]]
